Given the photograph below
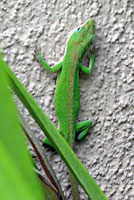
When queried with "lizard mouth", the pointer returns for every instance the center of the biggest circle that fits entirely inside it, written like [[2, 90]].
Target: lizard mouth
[[90, 25]]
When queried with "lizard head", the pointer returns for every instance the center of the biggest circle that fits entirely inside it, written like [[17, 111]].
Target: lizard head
[[82, 38]]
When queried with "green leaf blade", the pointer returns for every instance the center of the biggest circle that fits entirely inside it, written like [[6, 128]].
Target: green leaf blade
[[17, 179]]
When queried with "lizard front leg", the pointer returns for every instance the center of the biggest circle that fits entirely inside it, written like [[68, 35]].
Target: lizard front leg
[[50, 69], [91, 65]]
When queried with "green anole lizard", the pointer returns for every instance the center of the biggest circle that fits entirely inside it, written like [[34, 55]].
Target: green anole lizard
[[67, 95]]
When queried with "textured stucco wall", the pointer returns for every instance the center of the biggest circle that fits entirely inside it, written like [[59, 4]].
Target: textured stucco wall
[[107, 96]]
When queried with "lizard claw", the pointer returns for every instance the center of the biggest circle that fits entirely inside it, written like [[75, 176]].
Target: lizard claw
[[37, 54], [92, 51], [49, 148], [93, 124]]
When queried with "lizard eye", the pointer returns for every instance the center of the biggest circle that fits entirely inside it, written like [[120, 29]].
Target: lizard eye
[[78, 29]]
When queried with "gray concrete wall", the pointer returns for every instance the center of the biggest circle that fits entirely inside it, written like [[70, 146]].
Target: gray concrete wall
[[107, 96]]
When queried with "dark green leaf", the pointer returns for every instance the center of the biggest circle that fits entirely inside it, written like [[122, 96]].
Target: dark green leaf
[[41, 154]]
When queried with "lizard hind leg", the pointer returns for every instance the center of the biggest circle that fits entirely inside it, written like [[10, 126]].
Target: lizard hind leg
[[48, 145], [82, 129]]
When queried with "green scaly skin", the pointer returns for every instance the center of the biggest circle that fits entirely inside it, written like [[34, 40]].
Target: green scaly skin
[[67, 95]]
